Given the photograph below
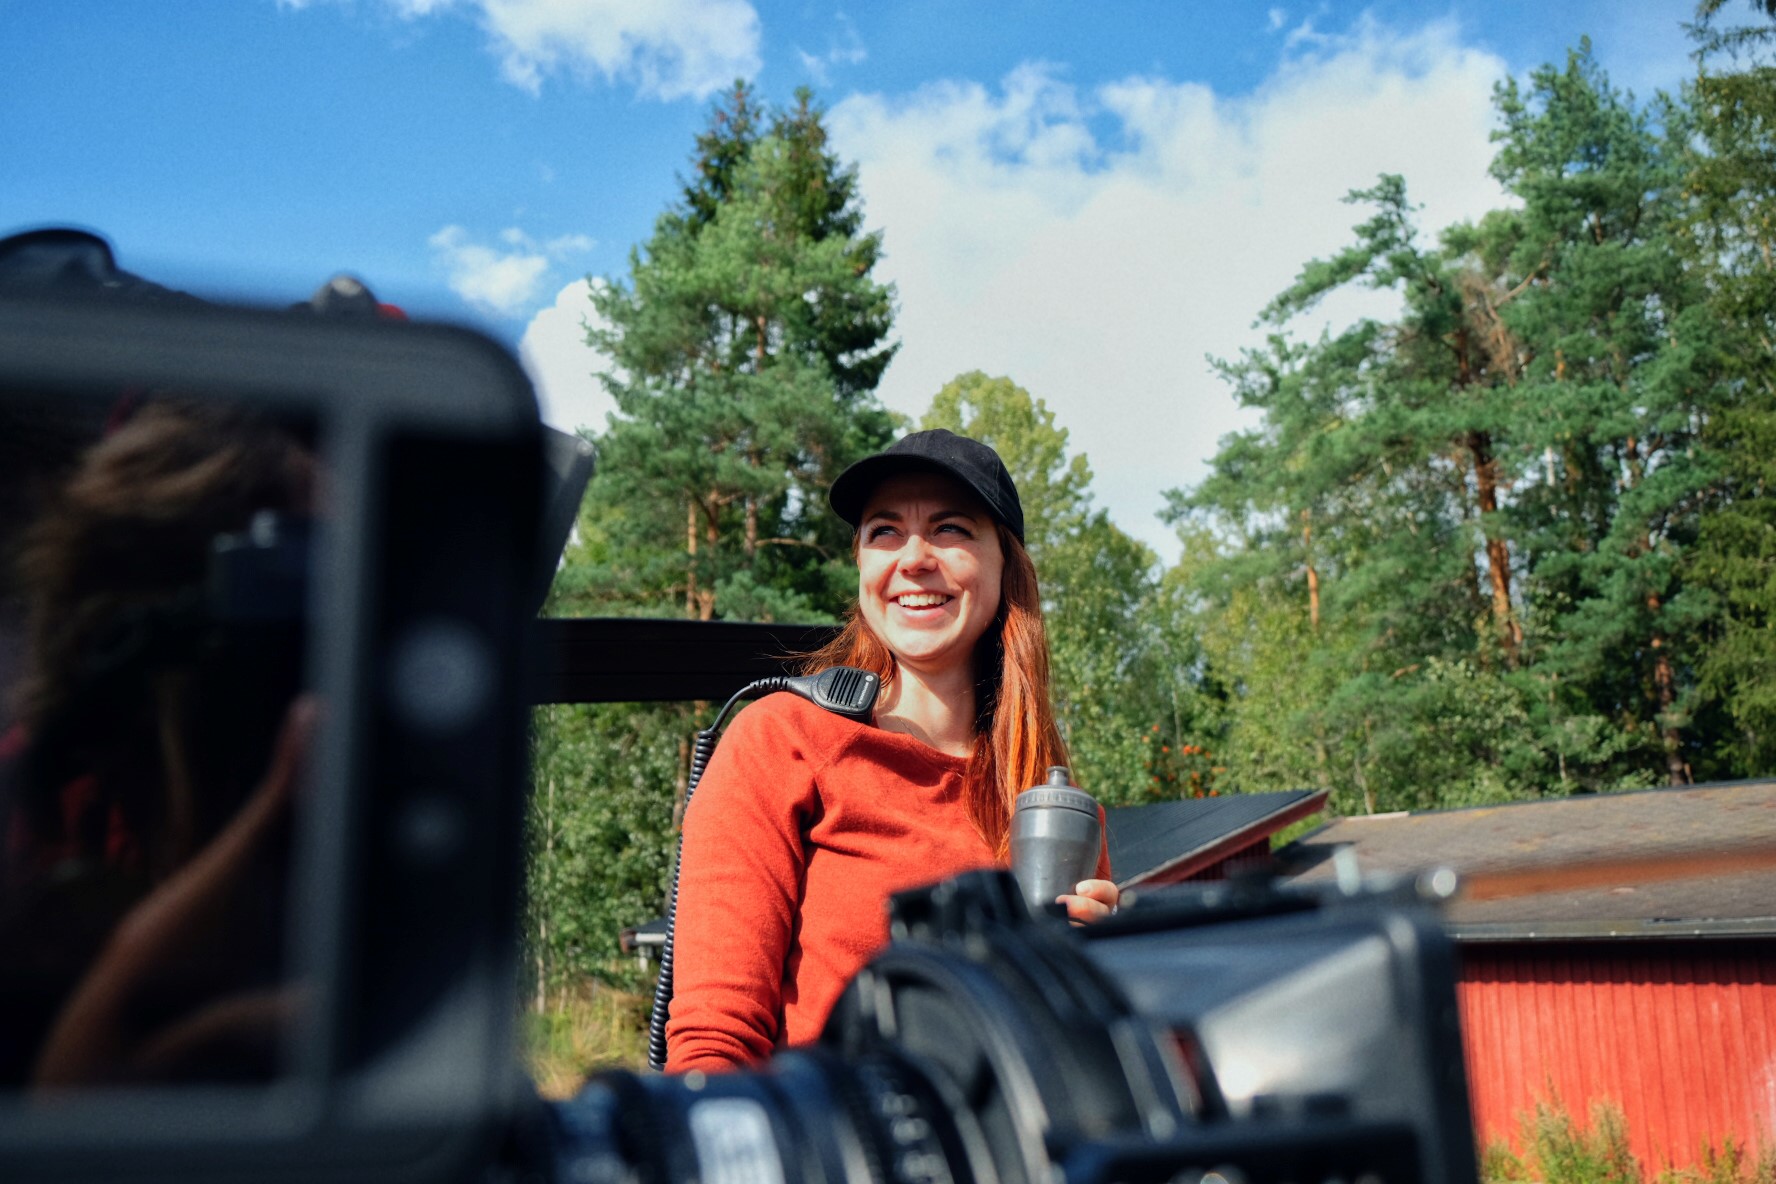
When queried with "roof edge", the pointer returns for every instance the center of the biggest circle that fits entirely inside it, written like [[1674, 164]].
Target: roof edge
[[1496, 932], [1190, 862]]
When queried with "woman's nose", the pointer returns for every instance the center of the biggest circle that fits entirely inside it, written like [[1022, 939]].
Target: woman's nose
[[917, 554]]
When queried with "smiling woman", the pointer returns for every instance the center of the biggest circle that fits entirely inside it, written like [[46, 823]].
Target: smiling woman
[[929, 568], [805, 822]]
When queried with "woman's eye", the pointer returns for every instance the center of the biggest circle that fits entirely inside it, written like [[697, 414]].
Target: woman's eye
[[876, 532]]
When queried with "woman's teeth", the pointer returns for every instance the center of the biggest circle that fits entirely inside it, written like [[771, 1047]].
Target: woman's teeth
[[926, 600]]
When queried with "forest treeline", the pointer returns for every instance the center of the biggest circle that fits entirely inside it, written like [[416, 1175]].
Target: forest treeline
[[1512, 541]]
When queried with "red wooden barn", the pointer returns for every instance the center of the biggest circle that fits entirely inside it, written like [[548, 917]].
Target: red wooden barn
[[1659, 996]]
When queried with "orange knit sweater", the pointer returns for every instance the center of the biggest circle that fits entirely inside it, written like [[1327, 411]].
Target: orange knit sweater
[[801, 827]]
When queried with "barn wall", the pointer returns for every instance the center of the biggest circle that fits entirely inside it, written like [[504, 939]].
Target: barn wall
[[1680, 1033], [1251, 858]]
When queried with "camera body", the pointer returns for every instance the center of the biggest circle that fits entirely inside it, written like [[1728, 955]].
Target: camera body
[[393, 1057], [1234, 1030]]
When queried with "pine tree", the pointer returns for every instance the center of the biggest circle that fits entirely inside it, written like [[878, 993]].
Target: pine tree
[[1731, 235], [1367, 554], [745, 341], [1616, 390], [746, 344], [1469, 523]]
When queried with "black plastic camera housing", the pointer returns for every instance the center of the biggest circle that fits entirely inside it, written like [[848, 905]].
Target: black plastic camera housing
[[394, 1056]]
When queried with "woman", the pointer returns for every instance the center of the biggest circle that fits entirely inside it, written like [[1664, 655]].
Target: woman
[[805, 822]]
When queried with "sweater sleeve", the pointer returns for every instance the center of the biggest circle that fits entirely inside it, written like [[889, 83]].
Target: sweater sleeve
[[740, 886]]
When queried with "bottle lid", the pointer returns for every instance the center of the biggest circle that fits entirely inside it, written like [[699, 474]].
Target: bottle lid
[[1038, 796], [1058, 790]]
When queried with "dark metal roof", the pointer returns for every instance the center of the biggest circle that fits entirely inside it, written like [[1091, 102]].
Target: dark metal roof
[[1650, 827], [1170, 840]]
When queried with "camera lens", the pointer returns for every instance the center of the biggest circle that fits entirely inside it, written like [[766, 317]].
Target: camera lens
[[810, 1118]]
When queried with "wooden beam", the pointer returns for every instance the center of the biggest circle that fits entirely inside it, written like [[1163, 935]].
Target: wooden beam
[[636, 659]]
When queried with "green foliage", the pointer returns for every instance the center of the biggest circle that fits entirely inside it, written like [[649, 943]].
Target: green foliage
[[745, 345], [1513, 540], [1731, 236], [600, 835], [1557, 1150], [1500, 1165], [1565, 1153], [1730, 1163], [588, 1029]]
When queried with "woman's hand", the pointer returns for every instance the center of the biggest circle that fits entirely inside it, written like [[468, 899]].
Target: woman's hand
[[99, 1036], [1093, 901]]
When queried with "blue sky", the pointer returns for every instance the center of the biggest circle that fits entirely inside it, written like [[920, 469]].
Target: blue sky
[[1087, 197]]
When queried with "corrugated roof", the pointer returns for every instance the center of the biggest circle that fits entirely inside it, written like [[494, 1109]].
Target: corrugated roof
[[1667, 826], [1148, 840]]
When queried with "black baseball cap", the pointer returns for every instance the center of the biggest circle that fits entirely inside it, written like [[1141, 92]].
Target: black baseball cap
[[940, 451]]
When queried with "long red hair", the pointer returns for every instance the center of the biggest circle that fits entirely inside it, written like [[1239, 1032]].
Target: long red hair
[[1015, 737]]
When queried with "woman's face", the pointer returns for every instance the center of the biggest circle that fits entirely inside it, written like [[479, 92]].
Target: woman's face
[[928, 570]]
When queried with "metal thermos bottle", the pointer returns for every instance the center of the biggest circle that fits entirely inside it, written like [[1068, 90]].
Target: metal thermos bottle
[[1055, 839]]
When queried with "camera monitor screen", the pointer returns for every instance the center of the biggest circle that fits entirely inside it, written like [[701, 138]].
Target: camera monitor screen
[[264, 582], [157, 713]]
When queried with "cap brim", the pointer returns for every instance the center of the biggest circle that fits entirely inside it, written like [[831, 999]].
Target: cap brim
[[851, 491]]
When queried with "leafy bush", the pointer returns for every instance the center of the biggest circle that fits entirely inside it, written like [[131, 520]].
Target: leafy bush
[[1558, 1151]]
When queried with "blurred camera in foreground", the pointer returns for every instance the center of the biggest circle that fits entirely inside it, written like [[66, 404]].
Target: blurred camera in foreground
[[1232, 1032], [264, 610]]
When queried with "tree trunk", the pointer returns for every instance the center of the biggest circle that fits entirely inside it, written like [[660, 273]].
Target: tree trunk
[[1313, 575], [706, 594], [548, 822], [683, 785], [751, 539], [1498, 554], [1363, 783], [690, 557], [1677, 771]]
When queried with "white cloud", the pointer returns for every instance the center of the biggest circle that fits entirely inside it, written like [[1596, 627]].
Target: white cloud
[[562, 367], [569, 244], [502, 280], [667, 49], [1096, 245], [844, 48]]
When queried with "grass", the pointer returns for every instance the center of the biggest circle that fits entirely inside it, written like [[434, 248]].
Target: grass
[[1731, 1163], [584, 1030]]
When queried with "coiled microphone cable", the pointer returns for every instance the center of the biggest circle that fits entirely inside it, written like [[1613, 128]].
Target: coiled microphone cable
[[843, 690]]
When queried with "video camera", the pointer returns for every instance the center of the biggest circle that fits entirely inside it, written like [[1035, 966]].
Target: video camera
[[257, 914]]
